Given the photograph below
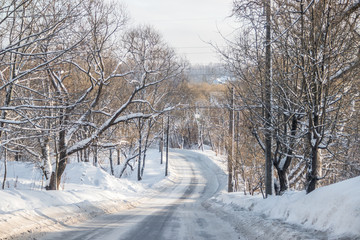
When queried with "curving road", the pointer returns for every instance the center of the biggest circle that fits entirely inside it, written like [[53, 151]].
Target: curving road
[[177, 212]]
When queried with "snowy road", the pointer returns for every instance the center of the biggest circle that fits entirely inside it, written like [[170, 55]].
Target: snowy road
[[183, 211], [173, 213]]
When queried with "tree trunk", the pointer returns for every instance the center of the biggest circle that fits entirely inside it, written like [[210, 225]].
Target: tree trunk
[[283, 180], [161, 150], [86, 155], [111, 162], [313, 170], [9, 90], [5, 169], [63, 158], [45, 155], [55, 178], [282, 172], [95, 159], [201, 138], [118, 156]]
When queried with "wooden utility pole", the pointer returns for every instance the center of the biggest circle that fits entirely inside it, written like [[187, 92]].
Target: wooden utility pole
[[269, 181], [139, 159], [231, 144], [167, 146]]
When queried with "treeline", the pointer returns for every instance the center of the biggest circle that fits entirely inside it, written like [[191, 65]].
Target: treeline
[[203, 118], [296, 93], [211, 73], [76, 80], [76, 77]]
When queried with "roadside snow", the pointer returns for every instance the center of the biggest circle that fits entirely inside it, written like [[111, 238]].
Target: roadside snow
[[88, 191], [333, 209]]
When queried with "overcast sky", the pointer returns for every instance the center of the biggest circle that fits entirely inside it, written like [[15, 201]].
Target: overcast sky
[[186, 25]]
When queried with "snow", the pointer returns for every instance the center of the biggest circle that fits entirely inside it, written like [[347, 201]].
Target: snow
[[334, 209], [222, 80], [88, 191]]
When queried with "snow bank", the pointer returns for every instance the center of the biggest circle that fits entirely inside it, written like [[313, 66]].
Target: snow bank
[[87, 191], [334, 209]]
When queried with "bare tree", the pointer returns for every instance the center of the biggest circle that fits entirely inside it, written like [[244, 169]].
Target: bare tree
[[314, 67], [27, 27], [155, 65]]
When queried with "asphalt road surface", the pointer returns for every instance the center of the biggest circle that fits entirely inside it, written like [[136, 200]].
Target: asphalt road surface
[[177, 212]]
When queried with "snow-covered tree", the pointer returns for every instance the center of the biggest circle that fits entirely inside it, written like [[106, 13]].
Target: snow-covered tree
[[314, 70], [69, 76]]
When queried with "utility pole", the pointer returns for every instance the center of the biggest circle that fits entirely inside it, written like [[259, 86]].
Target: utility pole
[[269, 181], [231, 144], [139, 160], [167, 146]]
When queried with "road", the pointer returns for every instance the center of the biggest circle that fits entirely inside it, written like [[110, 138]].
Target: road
[[177, 212]]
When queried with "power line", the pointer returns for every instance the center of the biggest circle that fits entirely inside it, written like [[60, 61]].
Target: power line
[[201, 53], [195, 47], [182, 20]]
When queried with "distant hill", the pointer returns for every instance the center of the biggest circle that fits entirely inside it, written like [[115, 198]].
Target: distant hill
[[212, 74]]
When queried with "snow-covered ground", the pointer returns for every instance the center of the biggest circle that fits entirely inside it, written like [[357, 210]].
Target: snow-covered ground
[[89, 191], [333, 209]]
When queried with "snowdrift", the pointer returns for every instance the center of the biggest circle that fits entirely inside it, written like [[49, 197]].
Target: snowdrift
[[87, 191], [334, 209]]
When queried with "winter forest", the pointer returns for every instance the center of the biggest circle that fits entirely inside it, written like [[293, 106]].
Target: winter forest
[[76, 79], [79, 83], [295, 96]]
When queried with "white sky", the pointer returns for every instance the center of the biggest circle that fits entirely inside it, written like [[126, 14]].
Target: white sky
[[186, 25]]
